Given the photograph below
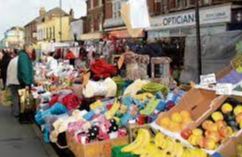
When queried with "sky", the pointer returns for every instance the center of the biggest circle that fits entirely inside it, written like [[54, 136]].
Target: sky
[[20, 12]]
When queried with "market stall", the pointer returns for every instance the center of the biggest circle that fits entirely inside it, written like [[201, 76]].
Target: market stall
[[102, 111]]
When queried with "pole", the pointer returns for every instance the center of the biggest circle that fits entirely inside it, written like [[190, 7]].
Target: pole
[[60, 21], [199, 56]]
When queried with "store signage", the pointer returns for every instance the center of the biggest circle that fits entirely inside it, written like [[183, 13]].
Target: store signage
[[208, 79], [224, 88], [207, 16]]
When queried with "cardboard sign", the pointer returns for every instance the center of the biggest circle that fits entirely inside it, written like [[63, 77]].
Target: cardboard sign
[[208, 79], [125, 13], [224, 88], [139, 16], [120, 61]]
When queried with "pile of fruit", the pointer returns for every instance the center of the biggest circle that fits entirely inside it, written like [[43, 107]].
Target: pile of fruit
[[221, 125], [176, 122], [147, 146]]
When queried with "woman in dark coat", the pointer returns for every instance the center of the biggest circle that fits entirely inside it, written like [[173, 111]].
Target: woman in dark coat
[[4, 66]]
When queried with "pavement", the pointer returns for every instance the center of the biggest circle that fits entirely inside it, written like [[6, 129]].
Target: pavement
[[21, 140]]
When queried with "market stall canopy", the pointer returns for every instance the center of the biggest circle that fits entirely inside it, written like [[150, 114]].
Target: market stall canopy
[[217, 52]]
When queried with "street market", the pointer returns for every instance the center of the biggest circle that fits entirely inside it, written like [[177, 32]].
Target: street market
[[127, 79]]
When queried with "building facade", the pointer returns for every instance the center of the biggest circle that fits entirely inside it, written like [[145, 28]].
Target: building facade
[[104, 15], [93, 22], [53, 25], [14, 37], [30, 31]]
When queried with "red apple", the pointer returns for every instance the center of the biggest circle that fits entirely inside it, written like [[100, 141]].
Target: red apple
[[186, 133]]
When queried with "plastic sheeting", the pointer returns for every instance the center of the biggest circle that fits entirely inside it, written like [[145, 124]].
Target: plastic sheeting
[[217, 52]]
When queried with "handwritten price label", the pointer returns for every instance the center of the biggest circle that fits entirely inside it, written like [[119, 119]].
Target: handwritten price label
[[208, 79], [224, 89]]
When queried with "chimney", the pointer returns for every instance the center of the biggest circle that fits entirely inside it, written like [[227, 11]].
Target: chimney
[[42, 11], [71, 14]]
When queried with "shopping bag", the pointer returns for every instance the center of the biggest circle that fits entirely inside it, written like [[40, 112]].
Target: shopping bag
[[27, 103], [27, 106], [5, 98]]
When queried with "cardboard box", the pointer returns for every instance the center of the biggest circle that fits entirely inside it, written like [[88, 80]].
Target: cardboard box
[[216, 105], [196, 101], [94, 149], [229, 148]]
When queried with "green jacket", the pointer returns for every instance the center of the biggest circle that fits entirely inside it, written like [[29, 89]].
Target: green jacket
[[25, 69]]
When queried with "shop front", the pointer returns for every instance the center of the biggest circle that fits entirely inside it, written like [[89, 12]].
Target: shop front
[[212, 19]]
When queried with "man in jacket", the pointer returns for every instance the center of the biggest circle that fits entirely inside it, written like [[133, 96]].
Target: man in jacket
[[25, 67]]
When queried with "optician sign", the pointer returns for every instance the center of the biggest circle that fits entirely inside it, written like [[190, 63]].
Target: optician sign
[[207, 16]]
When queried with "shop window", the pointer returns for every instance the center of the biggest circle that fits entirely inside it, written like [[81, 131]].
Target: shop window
[[157, 8], [191, 2], [50, 33], [172, 4], [95, 3], [88, 4], [116, 9], [47, 33], [100, 3], [53, 32]]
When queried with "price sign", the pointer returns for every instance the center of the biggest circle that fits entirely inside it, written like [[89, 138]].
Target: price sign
[[224, 88], [208, 79]]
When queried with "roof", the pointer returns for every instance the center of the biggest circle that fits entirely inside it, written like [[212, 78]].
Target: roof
[[33, 21], [55, 12]]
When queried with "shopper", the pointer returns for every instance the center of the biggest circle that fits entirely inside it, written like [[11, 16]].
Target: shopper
[[1, 57], [4, 65], [25, 67], [13, 83], [51, 64], [71, 57]]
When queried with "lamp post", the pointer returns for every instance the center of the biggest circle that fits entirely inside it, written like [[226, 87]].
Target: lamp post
[[199, 56]]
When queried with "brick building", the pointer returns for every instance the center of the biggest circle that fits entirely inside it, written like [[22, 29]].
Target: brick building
[[93, 22], [104, 15]]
